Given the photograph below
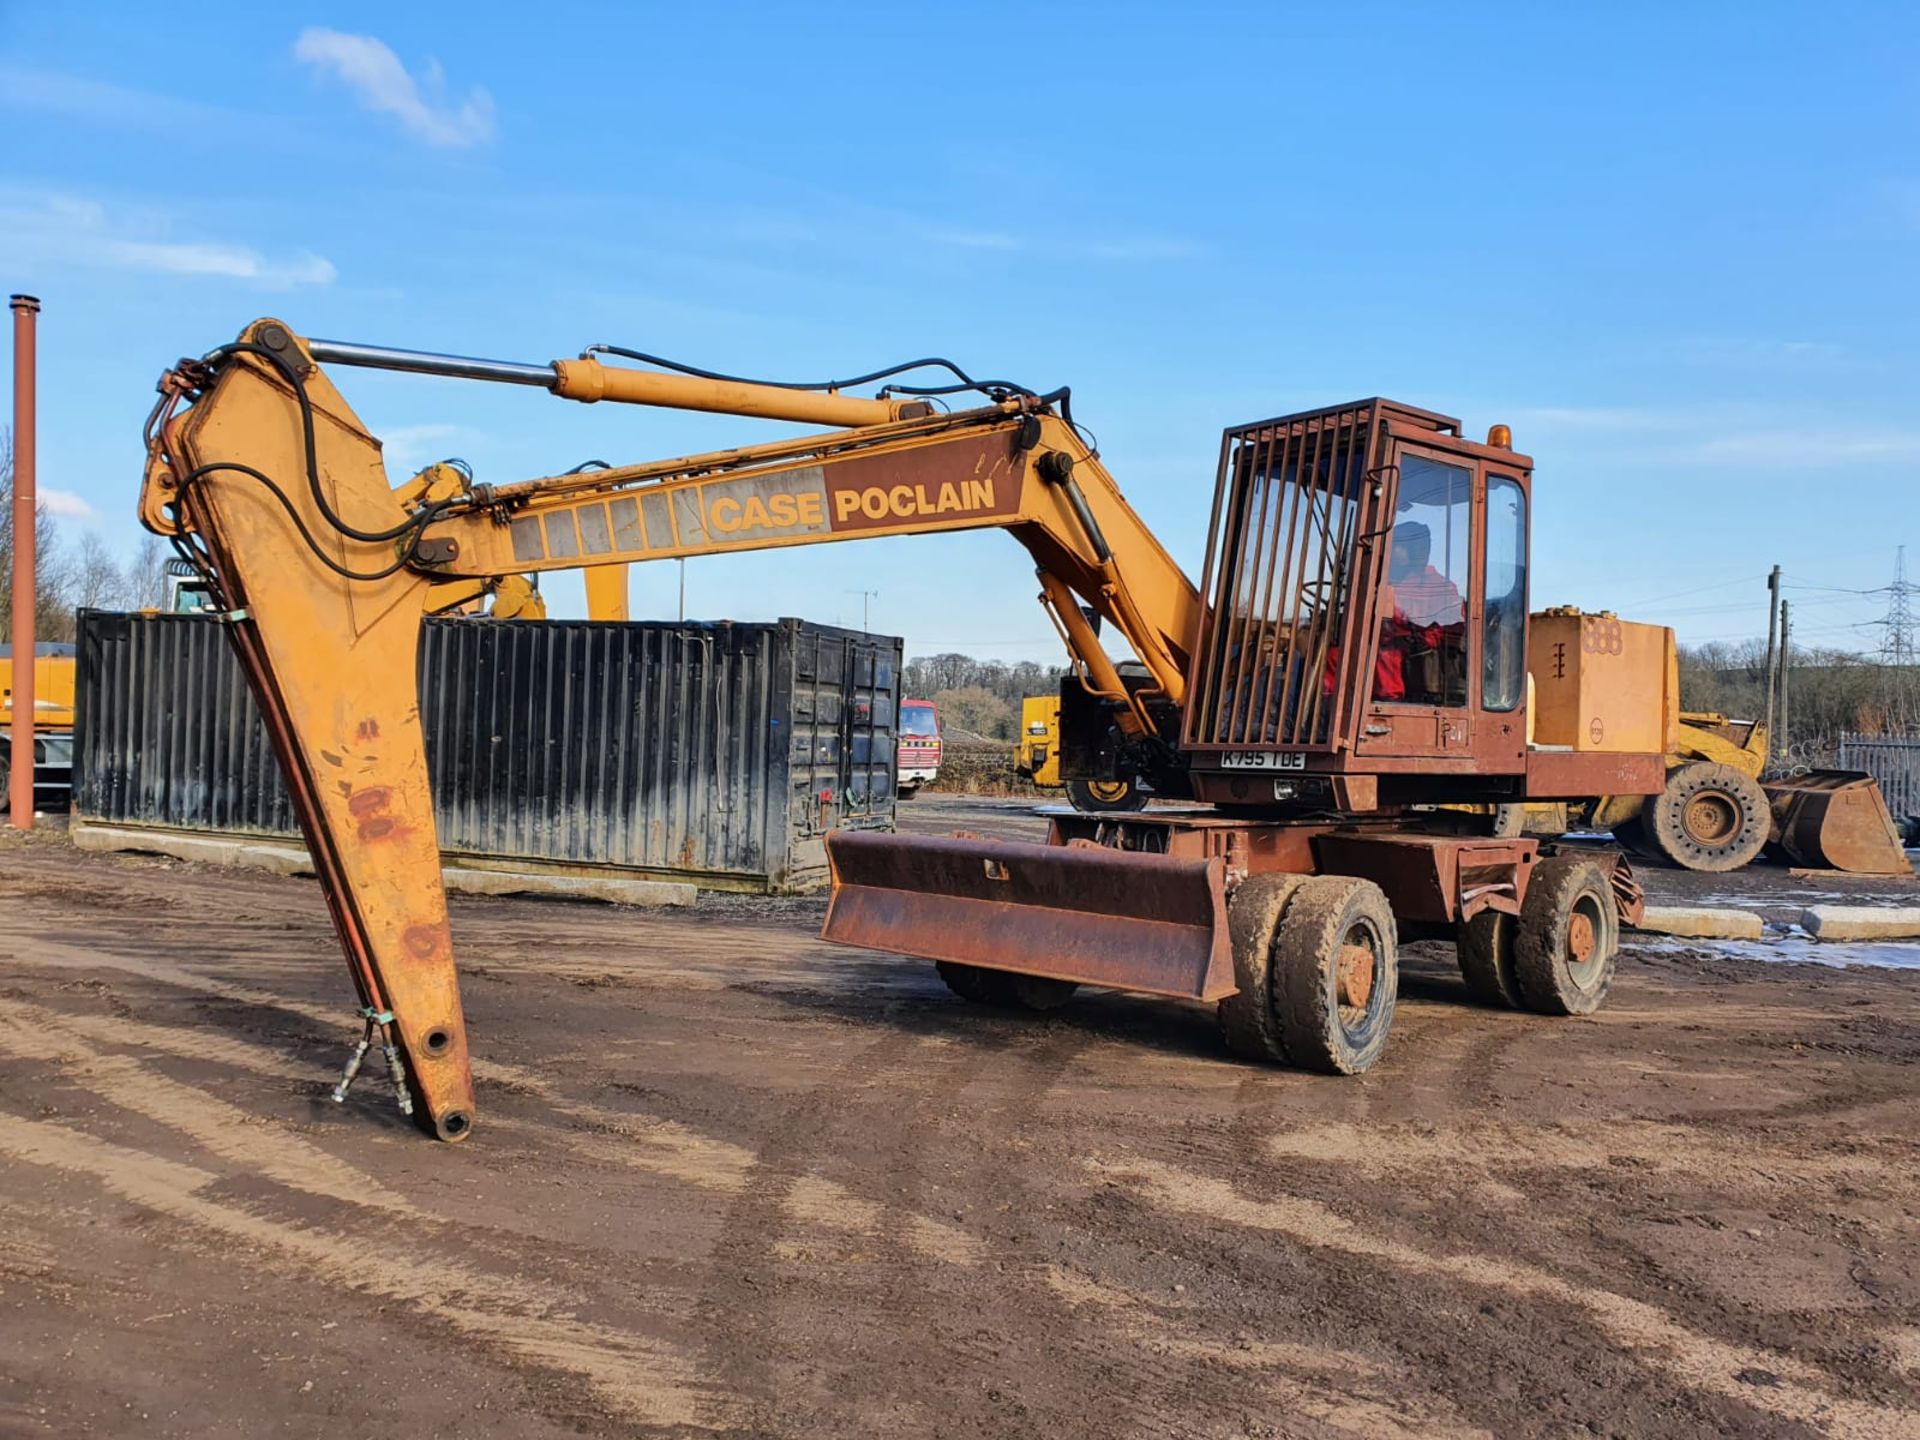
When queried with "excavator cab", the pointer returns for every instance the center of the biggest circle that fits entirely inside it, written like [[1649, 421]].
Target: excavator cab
[[1367, 579]]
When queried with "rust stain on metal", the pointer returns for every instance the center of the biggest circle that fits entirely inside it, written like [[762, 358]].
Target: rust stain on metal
[[427, 939], [369, 810]]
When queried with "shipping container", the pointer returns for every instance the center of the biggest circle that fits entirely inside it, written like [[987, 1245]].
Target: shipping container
[[719, 752]]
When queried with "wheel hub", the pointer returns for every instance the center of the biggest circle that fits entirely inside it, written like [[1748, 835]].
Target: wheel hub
[[1355, 974], [1580, 937], [1711, 818]]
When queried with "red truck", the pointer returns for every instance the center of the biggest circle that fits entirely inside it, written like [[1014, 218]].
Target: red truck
[[919, 754]]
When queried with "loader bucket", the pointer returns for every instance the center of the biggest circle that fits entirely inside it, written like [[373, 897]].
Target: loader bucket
[[1122, 919], [1836, 820]]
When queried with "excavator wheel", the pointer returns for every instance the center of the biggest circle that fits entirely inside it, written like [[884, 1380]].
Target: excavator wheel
[[1484, 947], [1332, 975], [1710, 817], [1246, 1017], [1096, 796], [1003, 989], [1568, 938]]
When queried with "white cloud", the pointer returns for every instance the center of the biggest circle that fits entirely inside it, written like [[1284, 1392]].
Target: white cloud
[[64, 504], [46, 231], [374, 74]]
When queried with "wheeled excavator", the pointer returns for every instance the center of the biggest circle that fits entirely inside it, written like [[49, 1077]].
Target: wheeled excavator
[[1352, 658]]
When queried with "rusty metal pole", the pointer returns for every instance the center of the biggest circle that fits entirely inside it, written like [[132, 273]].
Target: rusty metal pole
[[20, 790]]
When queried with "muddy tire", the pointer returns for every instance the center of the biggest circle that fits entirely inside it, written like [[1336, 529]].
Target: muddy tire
[[905, 792], [1247, 1020], [1568, 939], [1335, 974], [1004, 990], [1106, 796], [1710, 817], [1484, 948]]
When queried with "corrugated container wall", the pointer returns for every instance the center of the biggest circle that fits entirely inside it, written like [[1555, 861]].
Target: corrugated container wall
[[721, 752]]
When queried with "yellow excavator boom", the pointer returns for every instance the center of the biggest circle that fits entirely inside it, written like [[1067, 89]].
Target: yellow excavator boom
[[259, 467]]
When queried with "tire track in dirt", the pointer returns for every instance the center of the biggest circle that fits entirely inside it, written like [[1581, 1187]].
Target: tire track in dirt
[[740, 1295], [233, 1134], [1651, 1335], [1342, 1391], [653, 1144], [639, 1379]]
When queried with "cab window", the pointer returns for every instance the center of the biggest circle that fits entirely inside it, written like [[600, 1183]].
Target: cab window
[[1503, 645], [1423, 621]]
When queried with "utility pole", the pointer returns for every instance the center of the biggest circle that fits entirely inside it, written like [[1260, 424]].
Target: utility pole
[[26, 310], [1786, 669], [866, 613], [1773, 625]]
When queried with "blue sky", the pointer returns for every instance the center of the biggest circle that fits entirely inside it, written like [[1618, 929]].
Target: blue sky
[[1673, 246]]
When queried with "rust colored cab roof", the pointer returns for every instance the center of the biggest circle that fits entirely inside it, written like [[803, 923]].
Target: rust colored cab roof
[[1410, 416]]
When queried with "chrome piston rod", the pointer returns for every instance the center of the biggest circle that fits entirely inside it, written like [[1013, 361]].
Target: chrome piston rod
[[426, 362]]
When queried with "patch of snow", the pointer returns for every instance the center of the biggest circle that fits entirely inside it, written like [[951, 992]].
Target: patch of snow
[[1789, 945]]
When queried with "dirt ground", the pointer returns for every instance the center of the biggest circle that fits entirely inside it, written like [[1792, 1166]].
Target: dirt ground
[[728, 1179]]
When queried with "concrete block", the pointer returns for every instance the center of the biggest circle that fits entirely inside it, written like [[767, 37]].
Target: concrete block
[[289, 857], [1861, 922], [281, 857], [1699, 922], [614, 889]]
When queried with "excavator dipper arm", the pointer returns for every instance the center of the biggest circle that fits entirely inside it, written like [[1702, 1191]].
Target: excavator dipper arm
[[260, 471]]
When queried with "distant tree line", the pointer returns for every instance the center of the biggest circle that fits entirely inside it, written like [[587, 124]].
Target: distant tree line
[[72, 574], [979, 697], [1830, 693]]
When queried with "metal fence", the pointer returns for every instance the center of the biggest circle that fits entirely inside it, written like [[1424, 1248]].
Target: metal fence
[[1893, 761]]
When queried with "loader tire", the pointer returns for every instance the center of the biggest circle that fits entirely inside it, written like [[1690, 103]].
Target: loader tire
[[1106, 796], [1484, 947], [1247, 1020], [1710, 817], [1568, 939], [1335, 974], [1003, 989]]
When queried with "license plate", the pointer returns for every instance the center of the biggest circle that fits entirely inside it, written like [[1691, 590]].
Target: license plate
[[1263, 760]]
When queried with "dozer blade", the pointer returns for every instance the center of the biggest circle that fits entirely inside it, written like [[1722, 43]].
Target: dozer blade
[[1836, 820], [1124, 919]]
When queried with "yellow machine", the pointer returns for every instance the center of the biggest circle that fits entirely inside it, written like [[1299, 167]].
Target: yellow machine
[[1604, 683], [1343, 675], [54, 669], [1037, 756]]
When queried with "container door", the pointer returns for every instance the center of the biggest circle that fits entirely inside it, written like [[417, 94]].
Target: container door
[[869, 776]]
